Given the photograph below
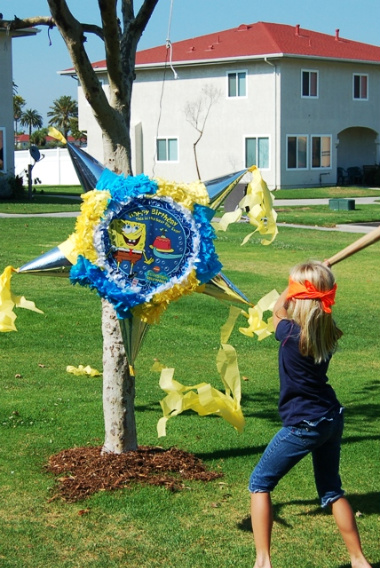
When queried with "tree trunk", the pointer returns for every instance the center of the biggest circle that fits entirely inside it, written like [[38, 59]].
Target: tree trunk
[[118, 381], [118, 388], [113, 116]]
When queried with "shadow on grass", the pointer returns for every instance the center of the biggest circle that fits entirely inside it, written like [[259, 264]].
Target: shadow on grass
[[376, 565], [231, 453], [366, 504]]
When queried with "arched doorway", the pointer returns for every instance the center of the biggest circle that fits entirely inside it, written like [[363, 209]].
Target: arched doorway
[[357, 147]]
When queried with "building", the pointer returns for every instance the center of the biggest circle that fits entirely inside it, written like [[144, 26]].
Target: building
[[6, 97], [22, 142], [297, 103]]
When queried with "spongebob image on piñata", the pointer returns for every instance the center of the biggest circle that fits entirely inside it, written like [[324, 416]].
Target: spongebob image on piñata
[[149, 241], [128, 240], [142, 244]]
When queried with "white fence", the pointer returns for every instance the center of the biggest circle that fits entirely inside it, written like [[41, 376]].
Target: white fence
[[55, 167]]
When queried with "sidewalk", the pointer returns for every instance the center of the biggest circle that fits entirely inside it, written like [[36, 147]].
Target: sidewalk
[[352, 228], [292, 202], [348, 228]]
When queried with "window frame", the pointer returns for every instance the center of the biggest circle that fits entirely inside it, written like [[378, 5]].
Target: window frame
[[360, 75], [167, 139], [257, 137], [3, 169], [320, 167], [297, 136], [309, 71], [236, 73]]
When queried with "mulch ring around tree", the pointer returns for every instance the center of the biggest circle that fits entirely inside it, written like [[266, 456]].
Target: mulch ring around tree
[[85, 471]]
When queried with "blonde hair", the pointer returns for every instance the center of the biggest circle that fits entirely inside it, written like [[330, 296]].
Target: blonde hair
[[319, 335]]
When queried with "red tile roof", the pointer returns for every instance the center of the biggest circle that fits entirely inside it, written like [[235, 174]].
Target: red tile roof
[[25, 138], [259, 40]]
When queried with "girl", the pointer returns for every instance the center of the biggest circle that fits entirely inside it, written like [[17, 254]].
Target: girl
[[310, 412]]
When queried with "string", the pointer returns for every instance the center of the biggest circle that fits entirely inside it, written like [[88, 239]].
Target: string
[[168, 56], [169, 43]]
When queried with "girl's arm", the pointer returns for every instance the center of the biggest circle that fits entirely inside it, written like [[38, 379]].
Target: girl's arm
[[280, 308]]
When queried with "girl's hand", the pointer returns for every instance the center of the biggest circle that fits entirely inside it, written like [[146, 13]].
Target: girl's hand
[[280, 308]]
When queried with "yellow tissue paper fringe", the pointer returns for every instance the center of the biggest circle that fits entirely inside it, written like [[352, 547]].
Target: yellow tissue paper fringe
[[257, 205], [81, 370], [9, 301], [151, 311], [185, 194], [93, 207]]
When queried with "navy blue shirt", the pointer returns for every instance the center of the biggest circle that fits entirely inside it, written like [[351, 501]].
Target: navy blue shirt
[[304, 391]]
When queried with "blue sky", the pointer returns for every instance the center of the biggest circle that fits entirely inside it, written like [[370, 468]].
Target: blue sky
[[35, 62]]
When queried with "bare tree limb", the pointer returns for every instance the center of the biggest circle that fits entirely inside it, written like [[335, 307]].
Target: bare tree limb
[[19, 24], [112, 33], [72, 32], [144, 15], [197, 112]]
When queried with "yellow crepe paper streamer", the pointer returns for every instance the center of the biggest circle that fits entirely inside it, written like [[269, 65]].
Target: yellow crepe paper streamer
[[207, 400], [54, 133], [256, 323], [94, 204], [257, 205], [81, 370], [9, 301], [186, 194]]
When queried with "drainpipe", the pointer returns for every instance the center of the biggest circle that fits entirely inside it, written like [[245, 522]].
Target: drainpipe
[[277, 152]]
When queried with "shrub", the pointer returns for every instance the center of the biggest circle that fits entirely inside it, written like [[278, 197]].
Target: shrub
[[11, 187]]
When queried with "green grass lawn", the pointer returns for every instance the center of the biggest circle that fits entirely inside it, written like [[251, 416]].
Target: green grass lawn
[[43, 410], [55, 199], [323, 216]]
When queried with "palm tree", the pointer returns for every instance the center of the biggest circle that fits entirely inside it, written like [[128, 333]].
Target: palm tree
[[63, 110], [39, 137], [75, 132], [32, 119], [18, 105]]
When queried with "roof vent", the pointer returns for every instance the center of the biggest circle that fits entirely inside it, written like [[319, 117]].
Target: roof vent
[[191, 48], [297, 30], [337, 38], [243, 28]]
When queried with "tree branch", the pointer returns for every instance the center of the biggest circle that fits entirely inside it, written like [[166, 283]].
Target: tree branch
[[112, 33], [72, 32], [20, 24], [144, 15]]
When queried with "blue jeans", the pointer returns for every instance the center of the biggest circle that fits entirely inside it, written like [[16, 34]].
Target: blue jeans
[[291, 444]]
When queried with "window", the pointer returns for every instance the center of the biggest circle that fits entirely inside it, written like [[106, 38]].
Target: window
[[297, 152], [237, 84], [360, 87], [321, 151], [257, 152], [309, 83], [2, 149], [167, 149]]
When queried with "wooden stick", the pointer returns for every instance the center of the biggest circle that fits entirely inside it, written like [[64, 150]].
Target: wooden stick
[[356, 246]]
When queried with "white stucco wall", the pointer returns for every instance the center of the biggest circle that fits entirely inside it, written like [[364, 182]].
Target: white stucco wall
[[333, 111], [6, 100], [273, 108], [222, 147]]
